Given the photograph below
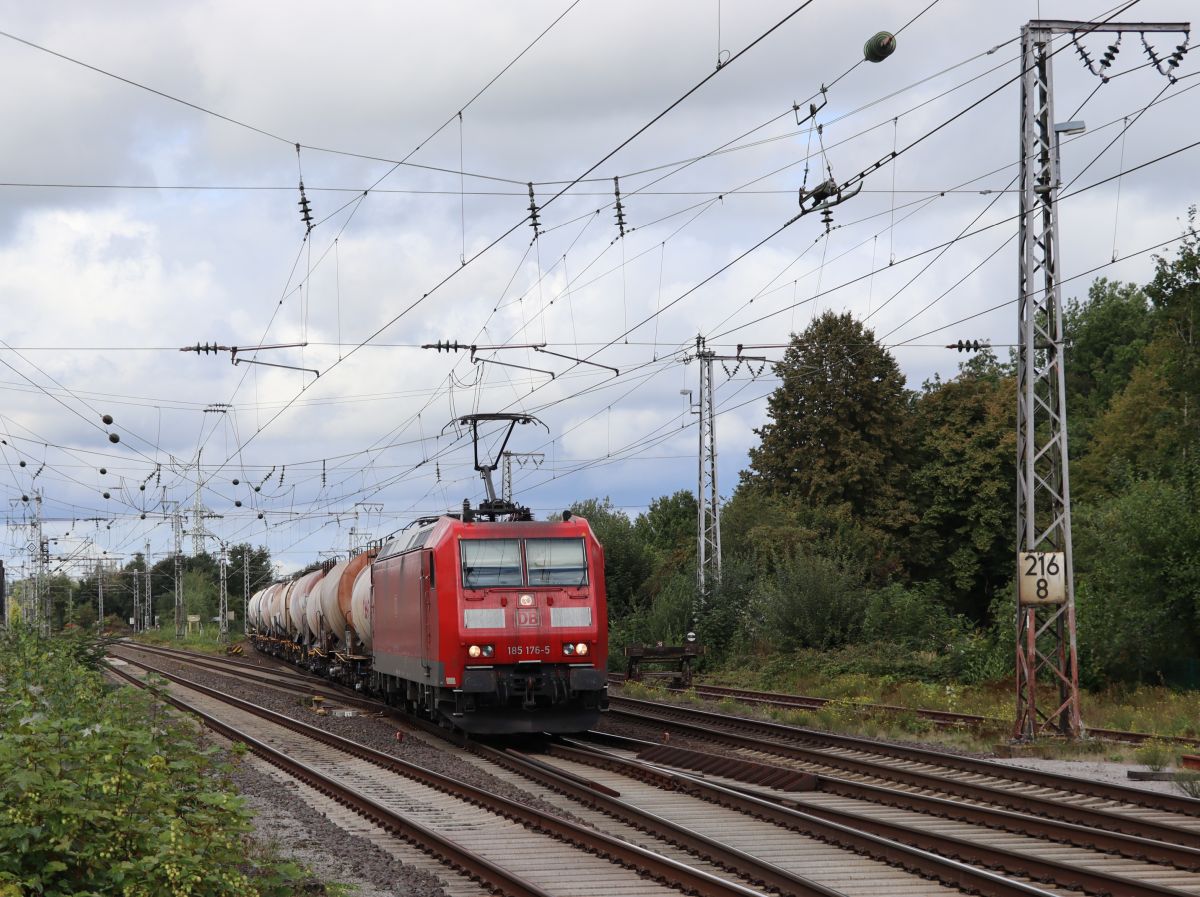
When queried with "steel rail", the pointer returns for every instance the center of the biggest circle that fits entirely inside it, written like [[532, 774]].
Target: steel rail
[[1004, 797], [807, 820], [1170, 803], [301, 682], [607, 801], [629, 855], [945, 718], [424, 838], [1128, 846]]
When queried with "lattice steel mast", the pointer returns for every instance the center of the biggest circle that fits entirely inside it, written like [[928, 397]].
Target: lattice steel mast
[[1046, 617], [708, 499]]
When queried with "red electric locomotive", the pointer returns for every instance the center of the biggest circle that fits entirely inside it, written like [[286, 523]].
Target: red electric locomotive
[[488, 620], [499, 627]]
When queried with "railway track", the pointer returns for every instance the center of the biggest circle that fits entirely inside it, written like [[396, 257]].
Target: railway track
[[1076, 800], [852, 823], [507, 846], [808, 821], [941, 718]]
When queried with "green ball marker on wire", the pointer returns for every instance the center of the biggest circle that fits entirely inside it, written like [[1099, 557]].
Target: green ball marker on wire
[[879, 47]]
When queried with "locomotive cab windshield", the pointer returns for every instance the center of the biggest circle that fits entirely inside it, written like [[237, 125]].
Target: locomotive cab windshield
[[500, 563]]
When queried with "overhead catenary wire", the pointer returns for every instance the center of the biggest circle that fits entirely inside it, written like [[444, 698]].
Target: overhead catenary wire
[[659, 245]]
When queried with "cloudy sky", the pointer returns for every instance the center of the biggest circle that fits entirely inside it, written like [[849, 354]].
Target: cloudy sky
[[150, 200]]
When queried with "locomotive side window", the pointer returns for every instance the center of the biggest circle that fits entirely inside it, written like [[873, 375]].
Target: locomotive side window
[[491, 562], [556, 562]]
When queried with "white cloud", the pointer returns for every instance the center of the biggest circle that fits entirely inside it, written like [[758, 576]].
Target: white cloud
[[164, 268]]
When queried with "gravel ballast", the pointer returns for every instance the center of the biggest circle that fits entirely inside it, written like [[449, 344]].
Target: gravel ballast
[[305, 836], [372, 731]]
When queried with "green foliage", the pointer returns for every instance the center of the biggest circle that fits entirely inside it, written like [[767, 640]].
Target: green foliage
[[964, 485], [809, 601], [1138, 563], [1174, 292], [837, 429], [1188, 784], [668, 527], [199, 595], [103, 793], [666, 618], [1106, 337], [1155, 754], [911, 616], [724, 620], [626, 560], [761, 526]]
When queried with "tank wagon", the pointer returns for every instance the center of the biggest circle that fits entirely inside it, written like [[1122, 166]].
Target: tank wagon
[[486, 620]]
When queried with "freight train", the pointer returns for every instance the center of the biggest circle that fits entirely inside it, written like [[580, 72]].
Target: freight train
[[486, 620]]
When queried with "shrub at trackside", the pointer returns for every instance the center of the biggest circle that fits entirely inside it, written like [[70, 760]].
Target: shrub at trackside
[[102, 792]]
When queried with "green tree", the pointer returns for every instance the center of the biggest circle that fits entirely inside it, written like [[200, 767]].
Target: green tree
[[1174, 292], [200, 596], [668, 526], [837, 424], [809, 601], [762, 526], [1106, 336], [964, 486], [626, 561], [1138, 569], [1141, 433]]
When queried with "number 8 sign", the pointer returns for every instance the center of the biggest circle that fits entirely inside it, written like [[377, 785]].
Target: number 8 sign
[[1042, 577]]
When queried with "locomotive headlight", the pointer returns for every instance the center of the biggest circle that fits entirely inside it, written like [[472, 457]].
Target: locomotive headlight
[[581, 648], [488, 650], [525, 601], [568, 648], [474, 650]]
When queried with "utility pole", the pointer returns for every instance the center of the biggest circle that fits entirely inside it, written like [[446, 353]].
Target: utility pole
[[177, 534], [100, 595], [1045, 642], [708, 522], [137, 601], [223, 599], [507, 488], [41, 606], [148, 605], [246, 589]]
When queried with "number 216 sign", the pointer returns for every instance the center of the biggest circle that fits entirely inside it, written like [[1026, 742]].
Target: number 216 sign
[[1042, 577]]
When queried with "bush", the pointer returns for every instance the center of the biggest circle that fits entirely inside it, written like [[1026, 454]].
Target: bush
[[909, 615], [810, 602], [1188, 784], [103, 793], [1155, 754]]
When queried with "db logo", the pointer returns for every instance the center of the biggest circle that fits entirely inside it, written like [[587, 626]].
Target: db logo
[[527, 616]]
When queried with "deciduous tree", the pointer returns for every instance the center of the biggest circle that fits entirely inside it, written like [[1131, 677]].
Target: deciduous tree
[[837, 424]]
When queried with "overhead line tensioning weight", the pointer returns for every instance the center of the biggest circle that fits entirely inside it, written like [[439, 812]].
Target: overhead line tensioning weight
[[1045, 631]]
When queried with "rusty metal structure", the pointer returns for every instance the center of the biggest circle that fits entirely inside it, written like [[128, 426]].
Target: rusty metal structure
[[1045, 644]]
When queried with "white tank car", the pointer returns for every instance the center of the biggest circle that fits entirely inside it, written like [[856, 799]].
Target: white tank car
[[297, 625], [278, 613], [252, 609], [266, 606], [312, 608], [360, 606], [325, 609]]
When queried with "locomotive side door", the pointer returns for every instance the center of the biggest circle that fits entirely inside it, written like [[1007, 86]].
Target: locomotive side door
[[429, 615]]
